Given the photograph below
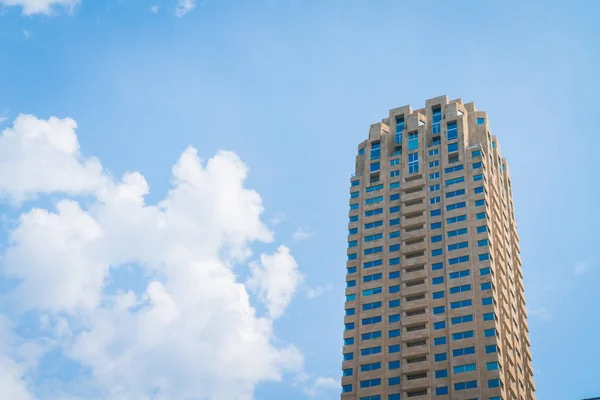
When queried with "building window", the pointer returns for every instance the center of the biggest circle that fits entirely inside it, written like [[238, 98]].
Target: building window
[[439, 341], [455, 181], [457, 246], [437, 266], [490, 349], [460, 289], [434, 200], [349, 326], [487, 301], [436, 225], [480, 121], [441, 373], [351, 270], [440, 357], [370, 335], [477, 165], [375, 151], [374, 167], [437, 280], [434, 188], [463, 335], [454, 169], [395, 348], [394, 381], [462, 319], [439, 325], [455, 193], [465, 385], [438, 295], [452, 147], [434, 152], [458, 232], [433, 164], [439, 310], [413, 141], [373, 188], [488, 316], [493, 383], [460, 304], [350, 311], [399, 129], [413, 163], [394, 365], [456, 206], [371, 306], [371, 292], [346, 388], [394, 185], [481, 229], [464, 368], [394, 303], [370, 367], [370, 350], [463, 352], [348, 356], [441, 391], [347, 372], [436, 119], [395, 173], [452, 131], [435, 213], [371, 264], [492, 366]]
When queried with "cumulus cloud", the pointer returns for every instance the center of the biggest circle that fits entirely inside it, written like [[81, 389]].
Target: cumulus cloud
[[316, 387], [191, 331], [41, 6], [184, 7], [42, 156], [275, 279]]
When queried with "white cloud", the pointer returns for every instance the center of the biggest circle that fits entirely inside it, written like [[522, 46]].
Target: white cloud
[[277, 218], [41, 6], [275, 279], [42, 156], [184, 7], [312, 293], [301, 234], [26, 33], [584, 266], [3, 119], [154, 9], [192, 332], [318, 387]]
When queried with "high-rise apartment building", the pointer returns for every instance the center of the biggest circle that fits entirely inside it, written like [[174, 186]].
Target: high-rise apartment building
[[435, 305]]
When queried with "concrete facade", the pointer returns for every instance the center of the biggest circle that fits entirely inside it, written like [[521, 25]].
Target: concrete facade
[[435, 305]]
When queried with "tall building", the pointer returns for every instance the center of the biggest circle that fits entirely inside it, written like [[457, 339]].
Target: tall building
[[435, 305]]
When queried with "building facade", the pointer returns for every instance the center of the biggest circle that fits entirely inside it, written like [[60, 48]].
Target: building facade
[[435, 305]]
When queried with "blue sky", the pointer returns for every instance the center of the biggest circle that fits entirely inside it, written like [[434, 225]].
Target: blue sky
[[291, 88]]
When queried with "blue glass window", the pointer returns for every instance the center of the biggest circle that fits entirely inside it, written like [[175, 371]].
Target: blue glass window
[[436, 225], [454, 181], [352, 231], [354, 218], [462, 319], [434, 175], [371, 264], [395, 221], [460, 289], [439, 325], [440, 357], [372, 277], [492, 366], [461, 303], [456, 246], [452, 147], [350, 270], [465, 385], [480, 121], [456, 206], [370, 350], [483, 257], [437, 266], [371, 238], [354, 206], [479, 203], [477, 177], [394, 289], [434, 188], [375, 211], [413, 163], [394, 365], [347, 372], [454, 169], [479, 189], [439, 341], [441, 391], [460, 274], [486, 286], [349, 326], [441, 373], [350, 311], [452, 131], [477, 165], [439, 310], [374, 224], [370, 335], [371, 292], [413, 141], [437, 280], [346, 388], [394, 185], [494, 383], [394, 333], [488, 316], [373, 250], [476, 153], [463, 352], [456, 219], [481, 229], [374, 188], [395, 275], [433, 164], [395, 234], [374, 167], [395, 348], [485, 271], [370, 383], [374, 200], [436, 252], [394, 303], [370, 367], [435, 213], [394, 209], [394, 261], [458, 232], [438, 295], [394, 381], [351, 256], [434, 200], [437, 238], [463, 335], [350, 297], [487, 301], [489, 332], [433, 152], [490, 349], [371, 306], [348, 356], [455, 193]]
